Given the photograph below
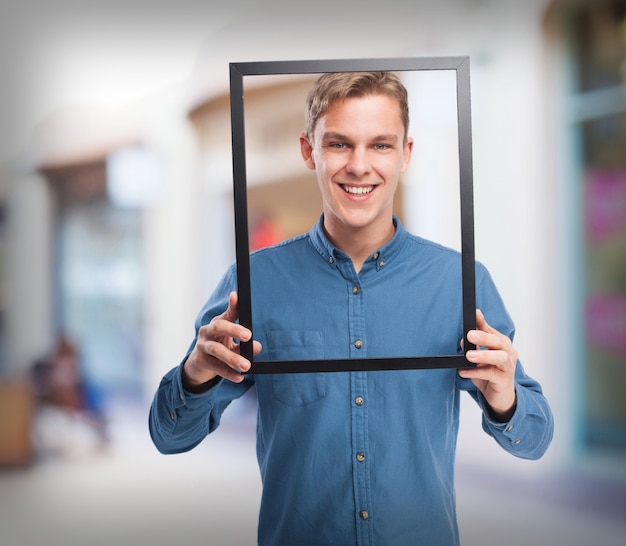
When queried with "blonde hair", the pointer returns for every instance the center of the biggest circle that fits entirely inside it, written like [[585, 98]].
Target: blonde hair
[[334, 86]]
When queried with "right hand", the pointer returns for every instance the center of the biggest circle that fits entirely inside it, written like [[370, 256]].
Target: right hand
[[216, 353]]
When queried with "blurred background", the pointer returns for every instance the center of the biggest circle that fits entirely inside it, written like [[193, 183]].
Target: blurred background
[[116, 222]]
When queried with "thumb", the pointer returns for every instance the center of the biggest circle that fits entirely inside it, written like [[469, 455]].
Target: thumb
[[232, 313], [481, 322]]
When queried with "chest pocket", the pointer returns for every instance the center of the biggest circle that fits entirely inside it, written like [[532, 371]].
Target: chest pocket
[[297, 389]]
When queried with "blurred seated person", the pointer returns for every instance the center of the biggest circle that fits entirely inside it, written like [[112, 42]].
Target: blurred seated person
[[66, 399]]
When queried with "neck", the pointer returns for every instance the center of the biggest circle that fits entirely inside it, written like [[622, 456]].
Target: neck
[[359, 243]]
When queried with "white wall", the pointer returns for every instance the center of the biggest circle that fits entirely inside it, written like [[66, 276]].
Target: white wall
[[29, 285], [173, 238]]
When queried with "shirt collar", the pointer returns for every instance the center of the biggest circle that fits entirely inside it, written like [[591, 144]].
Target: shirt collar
[[378, 259]]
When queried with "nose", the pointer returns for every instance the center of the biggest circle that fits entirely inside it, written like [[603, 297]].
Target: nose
[[358, 163]]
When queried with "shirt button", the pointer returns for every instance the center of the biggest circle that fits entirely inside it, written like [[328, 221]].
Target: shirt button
[[509, 428], [331, 260], [358, 344], [360, 457], [355, 289], [180, 395], [363, 514], [376, 256], [173, 416], [382, 263], [516, 442], [359, 401]]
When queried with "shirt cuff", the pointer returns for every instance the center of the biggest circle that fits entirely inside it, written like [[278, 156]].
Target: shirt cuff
[[514, 430], [182, 397]]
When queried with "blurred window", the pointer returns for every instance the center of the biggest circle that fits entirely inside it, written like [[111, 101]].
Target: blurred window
[[100, 279], [599, 47]]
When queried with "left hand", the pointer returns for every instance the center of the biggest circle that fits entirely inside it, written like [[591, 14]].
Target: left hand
[[495, 372]]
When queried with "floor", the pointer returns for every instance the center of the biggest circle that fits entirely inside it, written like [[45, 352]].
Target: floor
[[128, 493]]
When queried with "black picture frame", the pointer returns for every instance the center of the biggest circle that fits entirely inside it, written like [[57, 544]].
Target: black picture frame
[[461, 66]]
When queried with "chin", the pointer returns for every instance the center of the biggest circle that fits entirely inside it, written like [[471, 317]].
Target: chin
[[358, 221]]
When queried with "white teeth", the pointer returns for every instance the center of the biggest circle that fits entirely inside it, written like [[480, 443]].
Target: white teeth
[[358, 190]]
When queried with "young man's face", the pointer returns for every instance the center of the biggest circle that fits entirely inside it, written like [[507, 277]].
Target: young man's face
[[358, 151]]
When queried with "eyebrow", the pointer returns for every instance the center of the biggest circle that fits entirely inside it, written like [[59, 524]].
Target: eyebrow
[[338, 136]]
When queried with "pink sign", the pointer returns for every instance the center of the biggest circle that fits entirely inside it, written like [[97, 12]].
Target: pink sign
[[605, 203], [606, 322]]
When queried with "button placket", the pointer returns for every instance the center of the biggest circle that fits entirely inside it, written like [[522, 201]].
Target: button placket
[[356, 317], [360, 447]]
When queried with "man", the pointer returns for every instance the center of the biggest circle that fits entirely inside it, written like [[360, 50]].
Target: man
[[360, 457]]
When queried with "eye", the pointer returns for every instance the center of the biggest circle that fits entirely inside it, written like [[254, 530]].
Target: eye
[[381, 146], [337, 145]]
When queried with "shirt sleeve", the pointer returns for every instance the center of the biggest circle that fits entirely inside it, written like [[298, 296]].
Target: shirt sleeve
[[179, 420], [529, 432]]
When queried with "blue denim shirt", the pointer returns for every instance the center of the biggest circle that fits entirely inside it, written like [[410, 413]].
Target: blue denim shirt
[[363, 458]]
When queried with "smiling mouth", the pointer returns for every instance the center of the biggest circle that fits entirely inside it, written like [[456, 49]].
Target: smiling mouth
[[357, 190]]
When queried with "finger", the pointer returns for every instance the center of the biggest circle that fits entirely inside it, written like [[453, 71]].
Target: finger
[[485, 335], [215, 346], [220, 328], [482, 372], [496, 358], [232, 312], [231, 315], [226, 372], [481, 322], [482, 325], [226, 355], [234, 370]]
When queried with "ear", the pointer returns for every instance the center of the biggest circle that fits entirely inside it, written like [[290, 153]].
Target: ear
[[306, 149], [408, 149]]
